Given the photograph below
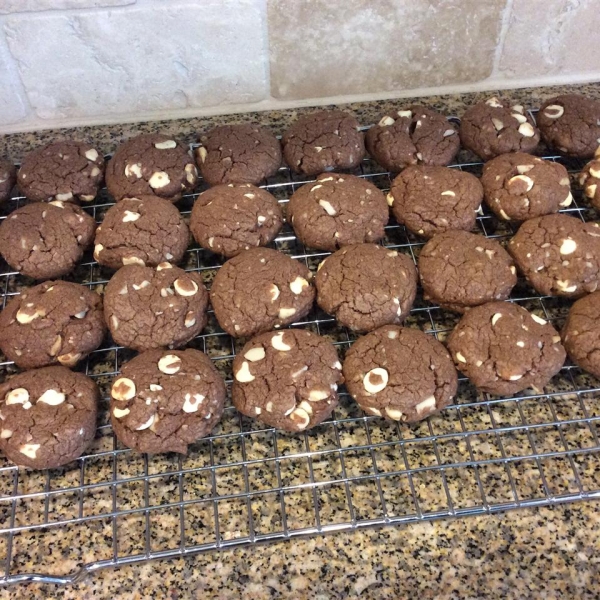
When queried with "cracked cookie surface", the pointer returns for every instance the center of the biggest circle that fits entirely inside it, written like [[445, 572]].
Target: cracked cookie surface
[[142, 231], [416, 135], [46, 240], [459, 270], [430, 200], [559, 255], [260, 289], [151, 165], [503, 349], [8, 178], [338, 210], [228, 219], [47, 417], [492, 128], [287, 379], [365, 286], [400, 373], [242, 153], [326, 140], [165, 400], [54, 322]]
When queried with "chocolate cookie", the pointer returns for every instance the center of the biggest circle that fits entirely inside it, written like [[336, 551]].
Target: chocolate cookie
[[519, 186], [571, 124], [413, 136], [54, 322], [492, 128], [559, 255], [141, 231], [504, 349], [459, 270], [400, 373], [149, 308], [46, 240], [260, 289], [165, 400], [63, 171], [366, 286], [430, 200], [589, 179], [326, 140], [151, 165], [287, 379], [8, 178], [338, 210], [230, 218], [47, 416], [581, 333], [243, 153]]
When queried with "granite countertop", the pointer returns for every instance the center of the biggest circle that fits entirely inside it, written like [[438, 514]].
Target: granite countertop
[[537, 552]]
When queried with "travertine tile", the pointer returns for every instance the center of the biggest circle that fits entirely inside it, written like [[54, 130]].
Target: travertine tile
[[324, 48], [157, 58], [547, 37], [13, 6], [13, 104]]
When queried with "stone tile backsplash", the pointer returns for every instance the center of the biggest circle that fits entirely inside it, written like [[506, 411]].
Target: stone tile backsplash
[[73, 62]]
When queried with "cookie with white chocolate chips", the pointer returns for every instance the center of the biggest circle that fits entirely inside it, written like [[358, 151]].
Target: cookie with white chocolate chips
[[62, 171], [165, 400], [287, 379], [571, 124], [46, 240], [492, 128], [149, 308], [151, 164], [416, 135], [141, 231], [47, 417], [8, 178], [260, 289], [54, 322], [399, 373], [589, 180], [519, 186], [503, 349], [559, 255]]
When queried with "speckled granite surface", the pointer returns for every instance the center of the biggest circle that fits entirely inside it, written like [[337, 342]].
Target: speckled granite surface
[[534, 553]]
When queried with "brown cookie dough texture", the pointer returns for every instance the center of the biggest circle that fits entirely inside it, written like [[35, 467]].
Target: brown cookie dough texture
[[430, 200], [47, 417], [141, 231], [151, 164], [242, 153], [338, 210], [54, 322], [326, 140], [571, 124], [160, 307], [503, 349], [413, 136], [8, 178], [63, 171], [165, 400], [46, 240], [400, 373], [519, 186], [366, 286], [492, 128], [559, 255], [228, 219], [589, 180], [260, 289], [287, 379], [459, 270], [581, 333]]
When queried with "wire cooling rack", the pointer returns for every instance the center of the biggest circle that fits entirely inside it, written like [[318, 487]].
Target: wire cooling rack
[[248, 483]]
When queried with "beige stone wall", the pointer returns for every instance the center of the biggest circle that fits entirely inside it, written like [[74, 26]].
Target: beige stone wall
[[73, 62]]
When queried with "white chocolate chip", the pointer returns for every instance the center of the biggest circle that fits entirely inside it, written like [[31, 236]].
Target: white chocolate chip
[[202, 153], [29, 450], [318, 148], [52, 397], [298, 285], [527, 181], [495, 318], [498, 124], [56, 346], [526, 130], [69, 359], [130, 216], [28, 313], [515, 377], [278, 343], [134, 169], [159, 180], [185, 287], [521, 344], [299, 372], [538, 319], [190, 319], [521, 169], [123, 389], [114, 323], [554, 111], [394, 414], [315, 187], [328, 207], [449, 132], [191, 173], [377, 374], [133, 260], [390, 199], [316, 395], [300, 418], [91, 154], [147, 424], [504, 215], [494, 102], [243, 374], [192, 403], [392, 335], [405, 113], [460, 358], [567, 201], [386, 121], [97, 249], [568, 246], [95, 172], [448, 193], [306, 407], [255, 354], [286, 313], [141, 286], [64, 197], [274, 292], [426, 405], [166, 145], [269, 407], [17, 396], [566, 286], [164, 265], [57, 203], [5, 434], [169, 364], [564, 181], [154, 387]]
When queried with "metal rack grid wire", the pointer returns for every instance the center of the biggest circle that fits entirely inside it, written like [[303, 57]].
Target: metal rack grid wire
[[248, 483]]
